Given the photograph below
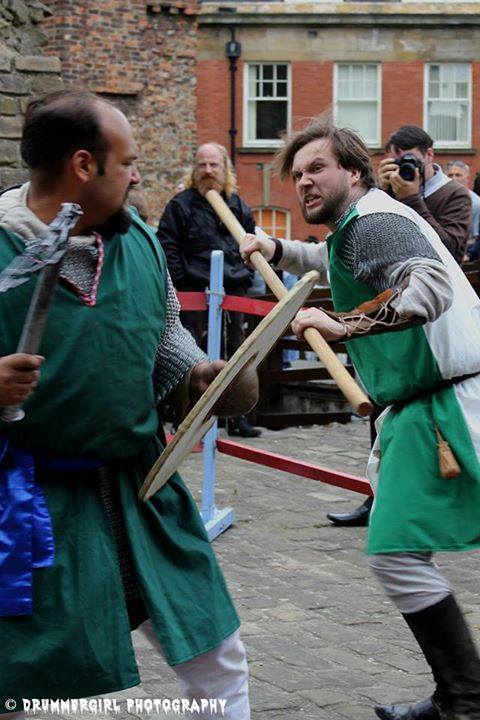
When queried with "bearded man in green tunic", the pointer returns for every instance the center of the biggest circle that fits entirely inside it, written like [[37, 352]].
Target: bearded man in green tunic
[[82, 561], [411, 322]]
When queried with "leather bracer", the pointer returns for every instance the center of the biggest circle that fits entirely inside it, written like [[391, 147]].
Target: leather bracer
[[375, 316]]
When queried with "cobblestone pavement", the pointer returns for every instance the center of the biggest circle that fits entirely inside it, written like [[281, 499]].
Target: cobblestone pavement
[[322, 640]]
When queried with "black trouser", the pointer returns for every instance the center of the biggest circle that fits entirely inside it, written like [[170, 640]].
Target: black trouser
[[233, 333]]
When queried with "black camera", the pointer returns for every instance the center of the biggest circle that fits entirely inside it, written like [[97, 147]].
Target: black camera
[[407, 165]]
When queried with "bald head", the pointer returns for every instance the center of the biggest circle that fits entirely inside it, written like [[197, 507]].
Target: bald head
[[59, 124], [80, 148]]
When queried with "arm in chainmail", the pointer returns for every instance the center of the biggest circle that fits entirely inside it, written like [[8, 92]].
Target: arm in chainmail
[[300, 257], [384, 250], [177, 352]]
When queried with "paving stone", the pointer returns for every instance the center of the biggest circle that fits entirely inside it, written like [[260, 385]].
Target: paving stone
[[322, 640]]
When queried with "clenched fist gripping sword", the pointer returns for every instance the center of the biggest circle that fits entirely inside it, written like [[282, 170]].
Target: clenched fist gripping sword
[[43, 255], [342, 377]]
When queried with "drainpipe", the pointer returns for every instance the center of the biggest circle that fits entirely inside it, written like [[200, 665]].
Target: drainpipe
[[233, 51]]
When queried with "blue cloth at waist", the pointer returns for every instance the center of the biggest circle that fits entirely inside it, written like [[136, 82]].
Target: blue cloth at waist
[[67, 464], [26, 534]]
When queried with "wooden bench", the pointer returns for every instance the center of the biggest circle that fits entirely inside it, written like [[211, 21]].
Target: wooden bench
[[307, 396], [298, 396]]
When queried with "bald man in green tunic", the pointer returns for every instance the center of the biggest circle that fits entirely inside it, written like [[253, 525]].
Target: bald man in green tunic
[[82, 561]]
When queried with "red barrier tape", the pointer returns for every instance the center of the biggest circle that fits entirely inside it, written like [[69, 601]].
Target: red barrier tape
[[296, 467], [192, 300], [247, 305], [198, 301]]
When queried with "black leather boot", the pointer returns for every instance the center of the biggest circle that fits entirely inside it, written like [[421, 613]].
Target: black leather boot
[[356, 518], [424, 710], [446, 642], [240, 427]]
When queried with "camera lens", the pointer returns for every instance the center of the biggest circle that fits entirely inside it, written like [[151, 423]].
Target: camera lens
[[407, 171]]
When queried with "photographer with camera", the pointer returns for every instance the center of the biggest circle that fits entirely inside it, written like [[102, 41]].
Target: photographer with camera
[[410, 174]]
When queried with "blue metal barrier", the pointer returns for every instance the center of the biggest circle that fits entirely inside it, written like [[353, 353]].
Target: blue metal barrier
[[215, 520]]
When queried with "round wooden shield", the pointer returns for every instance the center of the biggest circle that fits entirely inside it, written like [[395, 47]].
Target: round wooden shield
[[251, 352]]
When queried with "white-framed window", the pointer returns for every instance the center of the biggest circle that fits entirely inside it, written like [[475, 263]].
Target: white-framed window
[[267, 91], [448, 103], [357, 99], [275, 221]]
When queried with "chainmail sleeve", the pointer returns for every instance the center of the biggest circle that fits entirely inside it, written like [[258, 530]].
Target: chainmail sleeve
[[387, 250], [177, 352], [374, 243]]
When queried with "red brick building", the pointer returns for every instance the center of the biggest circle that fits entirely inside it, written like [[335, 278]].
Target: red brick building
[[376, 65]]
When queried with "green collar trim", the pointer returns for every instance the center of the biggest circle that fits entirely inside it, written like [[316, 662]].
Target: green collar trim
[[332, 239]]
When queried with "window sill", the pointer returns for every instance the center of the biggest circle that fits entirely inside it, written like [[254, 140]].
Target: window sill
[[258, 150], [438, 151], [454, 151]]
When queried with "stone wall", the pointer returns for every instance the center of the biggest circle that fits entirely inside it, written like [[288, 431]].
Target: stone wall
[[24, 73], [142, 56]]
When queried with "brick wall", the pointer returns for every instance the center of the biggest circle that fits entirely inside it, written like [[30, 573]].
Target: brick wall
[[312, 93], [142, 56], [24, 73]]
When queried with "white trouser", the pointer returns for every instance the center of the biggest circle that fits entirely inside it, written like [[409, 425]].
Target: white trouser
[[412, 580], [219, 673]]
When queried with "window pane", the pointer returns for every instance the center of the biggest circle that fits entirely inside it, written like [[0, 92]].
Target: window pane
[[272, 220], [267, 89], [267, 72], [271, 119], [357, 81], [282, 89], [360, 116], [434, 90], [282, 72], [357, 90], [448, 121], [357, 74], [252, 76], [462, 72], [267, 217], [461, 90], [371, 90], [447, 90], [252, 120], [343, 89], [257, 216], [280, 224], [448, 72], [434, 73]]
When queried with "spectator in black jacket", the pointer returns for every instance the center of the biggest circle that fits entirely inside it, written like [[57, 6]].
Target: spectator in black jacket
[[189, 230]]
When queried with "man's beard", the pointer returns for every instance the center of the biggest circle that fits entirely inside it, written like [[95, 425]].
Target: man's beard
[[119, 222], [208, 183], [329, 211]]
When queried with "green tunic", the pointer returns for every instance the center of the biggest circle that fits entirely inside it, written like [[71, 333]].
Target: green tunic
[[415, 508], [96, 399]]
